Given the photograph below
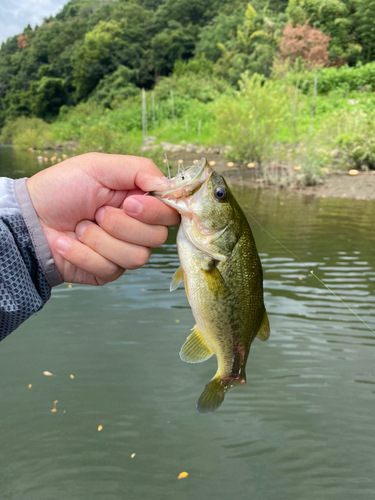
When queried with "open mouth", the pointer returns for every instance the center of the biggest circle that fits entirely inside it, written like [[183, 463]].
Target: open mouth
[[185, 183]]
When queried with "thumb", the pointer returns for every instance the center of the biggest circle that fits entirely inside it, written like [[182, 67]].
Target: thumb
[[124, 172]]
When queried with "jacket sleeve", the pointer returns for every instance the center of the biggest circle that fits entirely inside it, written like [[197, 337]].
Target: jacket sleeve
[[27, 270]]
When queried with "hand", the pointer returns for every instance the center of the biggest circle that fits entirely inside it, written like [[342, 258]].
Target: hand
[[96, 219]]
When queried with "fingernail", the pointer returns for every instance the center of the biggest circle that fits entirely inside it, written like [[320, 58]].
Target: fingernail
[[99, 215], [80, 228], [132, 206], [62, 244]]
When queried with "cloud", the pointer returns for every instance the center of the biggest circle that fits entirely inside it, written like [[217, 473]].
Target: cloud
[[15, 16]]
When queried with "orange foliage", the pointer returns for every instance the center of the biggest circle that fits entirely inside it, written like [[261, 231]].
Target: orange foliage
[[304, 42], [22, 41]]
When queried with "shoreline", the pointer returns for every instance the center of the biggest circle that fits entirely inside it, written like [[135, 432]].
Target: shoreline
[[333, 185]]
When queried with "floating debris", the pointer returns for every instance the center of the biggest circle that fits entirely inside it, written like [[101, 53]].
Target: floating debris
[[100, 427], [230, 164], [69, 286], [353, 171], [29, 386], [182, 475], [132, 455], [71, 376], [212, 163], [54, 409], [48, 374]]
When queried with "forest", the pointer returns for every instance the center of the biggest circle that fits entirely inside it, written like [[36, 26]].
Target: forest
[[261, 78]]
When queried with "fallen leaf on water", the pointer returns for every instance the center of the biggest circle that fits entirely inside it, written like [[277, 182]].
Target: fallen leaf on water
[[182, 475], [48, 374], [132, 455], [29, 386], [176, 320], [100, 427], [71, 376], [69, 286], [54, 410]]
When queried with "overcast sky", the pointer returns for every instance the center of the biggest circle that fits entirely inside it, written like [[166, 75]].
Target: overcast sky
[[15, 15]]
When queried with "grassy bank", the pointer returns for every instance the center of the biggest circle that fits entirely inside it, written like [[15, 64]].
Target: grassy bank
[[276, 122]]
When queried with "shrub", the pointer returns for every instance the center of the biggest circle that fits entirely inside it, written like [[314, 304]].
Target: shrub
[[27, 132], [250, 121]]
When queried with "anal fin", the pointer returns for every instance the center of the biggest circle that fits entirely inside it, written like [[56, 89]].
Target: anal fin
[[195, 349], [264, 330]]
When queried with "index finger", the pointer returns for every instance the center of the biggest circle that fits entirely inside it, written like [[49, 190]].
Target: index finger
[[124, 172]]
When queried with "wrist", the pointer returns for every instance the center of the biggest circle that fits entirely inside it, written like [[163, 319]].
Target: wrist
[[38, 238]]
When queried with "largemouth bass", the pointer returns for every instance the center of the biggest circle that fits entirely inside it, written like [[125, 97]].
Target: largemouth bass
[[223, 277]]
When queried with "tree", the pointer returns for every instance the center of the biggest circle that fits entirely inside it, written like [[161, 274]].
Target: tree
[[94, 58], [49, 95], [306, 43], [174, 43], [252, 49], [365, 27], [334, 18]]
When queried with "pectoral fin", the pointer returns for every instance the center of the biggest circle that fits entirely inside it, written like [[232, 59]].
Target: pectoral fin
[[215, 281], [176, 279], [195, 350], [264, 330]]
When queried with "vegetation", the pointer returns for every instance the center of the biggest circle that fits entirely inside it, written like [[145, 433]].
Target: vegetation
[[224, 72]]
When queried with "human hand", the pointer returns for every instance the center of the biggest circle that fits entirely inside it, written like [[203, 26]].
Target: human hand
[[96, 219]]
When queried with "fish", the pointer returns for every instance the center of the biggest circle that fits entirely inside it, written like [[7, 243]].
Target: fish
[[222, 273]]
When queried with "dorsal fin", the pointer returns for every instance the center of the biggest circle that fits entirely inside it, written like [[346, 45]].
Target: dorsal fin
[[195, 349], [264, 330]]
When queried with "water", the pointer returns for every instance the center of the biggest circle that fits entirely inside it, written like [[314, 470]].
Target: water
[[302, 427]]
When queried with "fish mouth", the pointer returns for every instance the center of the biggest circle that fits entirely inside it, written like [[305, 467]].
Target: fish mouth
[[185, 183]]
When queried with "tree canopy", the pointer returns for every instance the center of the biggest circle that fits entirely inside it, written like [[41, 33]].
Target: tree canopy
[[107, 49]]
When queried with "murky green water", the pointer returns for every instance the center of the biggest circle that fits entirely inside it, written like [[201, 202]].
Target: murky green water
[[302, 427]]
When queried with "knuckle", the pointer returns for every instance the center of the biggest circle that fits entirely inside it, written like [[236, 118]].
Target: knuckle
[[109, 222], [139, 258], [108, 271], [160, 236], [148, 164]]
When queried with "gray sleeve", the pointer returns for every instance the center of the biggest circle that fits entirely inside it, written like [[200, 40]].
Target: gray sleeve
[[38, 239], [24, 286]]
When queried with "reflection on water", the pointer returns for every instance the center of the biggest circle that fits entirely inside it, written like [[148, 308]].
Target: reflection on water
[[301, 428]]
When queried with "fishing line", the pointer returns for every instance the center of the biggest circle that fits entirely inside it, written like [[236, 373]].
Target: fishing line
[[311, 272]]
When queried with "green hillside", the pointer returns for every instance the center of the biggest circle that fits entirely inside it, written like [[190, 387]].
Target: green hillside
[[221, 72]]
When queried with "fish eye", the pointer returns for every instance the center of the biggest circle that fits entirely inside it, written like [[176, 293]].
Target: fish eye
[[220, 193]]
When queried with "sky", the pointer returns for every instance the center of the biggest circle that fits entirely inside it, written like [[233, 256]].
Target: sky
[[15, 15]]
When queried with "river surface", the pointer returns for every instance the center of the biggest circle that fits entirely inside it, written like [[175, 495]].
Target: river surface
[[303, 426]]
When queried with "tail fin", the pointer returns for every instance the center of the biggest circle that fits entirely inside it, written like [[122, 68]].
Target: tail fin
[[212, 396]]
